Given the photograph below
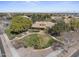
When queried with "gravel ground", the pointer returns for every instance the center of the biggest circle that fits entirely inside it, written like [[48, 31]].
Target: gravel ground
[[30, 52], [72, 43]]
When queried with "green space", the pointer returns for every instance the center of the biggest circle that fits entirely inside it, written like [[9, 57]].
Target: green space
[[37, 41]]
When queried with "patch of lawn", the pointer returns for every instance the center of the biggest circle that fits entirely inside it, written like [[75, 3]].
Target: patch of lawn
[[9, 34]]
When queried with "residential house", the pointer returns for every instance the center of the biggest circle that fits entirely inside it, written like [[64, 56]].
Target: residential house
[[42, 25]]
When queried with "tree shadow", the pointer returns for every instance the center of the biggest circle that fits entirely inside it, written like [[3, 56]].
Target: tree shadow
[[56, 46]]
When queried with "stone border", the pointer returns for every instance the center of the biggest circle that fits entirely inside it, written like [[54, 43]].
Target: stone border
[[42, 49]]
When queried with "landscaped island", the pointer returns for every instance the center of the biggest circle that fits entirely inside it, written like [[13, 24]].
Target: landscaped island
[[37, 41]]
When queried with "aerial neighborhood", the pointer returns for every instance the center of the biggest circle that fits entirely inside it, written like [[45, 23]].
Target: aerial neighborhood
[[39, 34], [39, 29]]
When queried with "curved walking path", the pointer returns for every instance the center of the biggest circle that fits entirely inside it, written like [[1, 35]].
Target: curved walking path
[[27, 33], [23, 36], [57, 39]]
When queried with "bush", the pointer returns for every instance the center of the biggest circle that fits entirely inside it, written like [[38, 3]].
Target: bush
[[9, 34], [74, 24], [61, 26]]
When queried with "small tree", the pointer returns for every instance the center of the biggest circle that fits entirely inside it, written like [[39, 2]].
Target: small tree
[[60, 27], [74, 24], [41, 17]]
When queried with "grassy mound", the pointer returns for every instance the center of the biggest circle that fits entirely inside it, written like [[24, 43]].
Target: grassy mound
[[38, 41]]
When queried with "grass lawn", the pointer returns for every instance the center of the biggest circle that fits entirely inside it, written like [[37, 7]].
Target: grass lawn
[[38, 41]]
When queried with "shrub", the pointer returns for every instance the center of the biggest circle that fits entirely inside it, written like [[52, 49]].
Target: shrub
[[9, 34]]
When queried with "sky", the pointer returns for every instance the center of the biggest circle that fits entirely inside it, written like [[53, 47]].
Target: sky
[[39, 6]]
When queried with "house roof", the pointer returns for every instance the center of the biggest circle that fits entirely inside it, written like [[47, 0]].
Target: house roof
[[43, 24]]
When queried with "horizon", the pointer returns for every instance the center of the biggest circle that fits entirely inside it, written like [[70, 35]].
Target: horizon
[[40, 6]]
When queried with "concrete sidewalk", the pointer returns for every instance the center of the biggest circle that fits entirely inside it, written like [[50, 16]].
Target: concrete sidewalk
[[6, 48], [11, 48]]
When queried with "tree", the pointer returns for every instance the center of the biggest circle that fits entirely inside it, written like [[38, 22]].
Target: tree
[[41, 17], [74, 24], [60, 27], [20, 24]]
